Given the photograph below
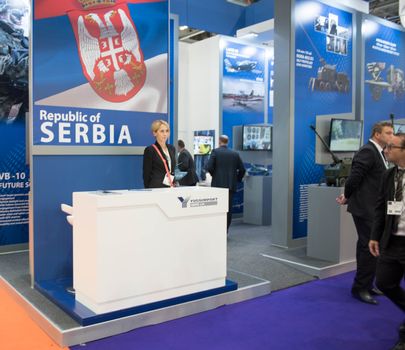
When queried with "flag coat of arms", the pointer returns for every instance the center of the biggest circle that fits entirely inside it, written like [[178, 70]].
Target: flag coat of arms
[[109, 49]]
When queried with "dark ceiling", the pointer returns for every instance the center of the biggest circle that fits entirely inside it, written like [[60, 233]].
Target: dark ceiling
[[387, 9]]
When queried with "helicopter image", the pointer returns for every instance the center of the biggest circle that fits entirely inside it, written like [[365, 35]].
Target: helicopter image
[[394, 83]]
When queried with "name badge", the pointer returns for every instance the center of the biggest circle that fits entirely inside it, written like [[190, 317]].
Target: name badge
[[394, 208], [166, 180]]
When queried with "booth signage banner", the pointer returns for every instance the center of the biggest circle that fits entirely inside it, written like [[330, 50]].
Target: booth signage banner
[[384, 66], [14, 172], [243, 86], [203, 144], [100, 71], [323, 85], [270, 87]]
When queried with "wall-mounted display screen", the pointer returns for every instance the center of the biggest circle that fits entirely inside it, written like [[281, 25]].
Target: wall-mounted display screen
[[256, 138], [345, 135], [203, 144], [399, 128]]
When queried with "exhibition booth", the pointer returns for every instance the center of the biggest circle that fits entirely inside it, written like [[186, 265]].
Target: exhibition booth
[[297, 96]]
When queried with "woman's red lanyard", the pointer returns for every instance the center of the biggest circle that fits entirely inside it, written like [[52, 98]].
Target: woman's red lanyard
[[165, 164]]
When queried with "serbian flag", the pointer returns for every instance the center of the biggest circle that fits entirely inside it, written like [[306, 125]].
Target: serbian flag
[[107, 43]]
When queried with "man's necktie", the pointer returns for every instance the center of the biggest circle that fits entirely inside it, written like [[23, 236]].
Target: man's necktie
[[398, 194], [383, 155]]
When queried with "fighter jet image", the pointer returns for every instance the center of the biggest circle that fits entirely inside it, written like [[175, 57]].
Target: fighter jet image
[[240, 66]]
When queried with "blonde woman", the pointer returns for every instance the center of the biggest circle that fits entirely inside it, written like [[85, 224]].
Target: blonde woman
[[159, 159]]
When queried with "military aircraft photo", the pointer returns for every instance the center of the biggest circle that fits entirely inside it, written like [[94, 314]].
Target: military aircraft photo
[[239, 66], [243, 100]]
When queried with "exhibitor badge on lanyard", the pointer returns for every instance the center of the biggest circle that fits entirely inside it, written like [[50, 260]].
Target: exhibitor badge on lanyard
[[168, 179], [394, 208]]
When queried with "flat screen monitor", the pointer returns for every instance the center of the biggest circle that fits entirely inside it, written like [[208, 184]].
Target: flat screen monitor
[[256, 138], [345, 135], [399, 128], [203, 145]]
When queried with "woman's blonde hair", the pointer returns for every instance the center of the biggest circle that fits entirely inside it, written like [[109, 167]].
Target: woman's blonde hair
[[157, 124]]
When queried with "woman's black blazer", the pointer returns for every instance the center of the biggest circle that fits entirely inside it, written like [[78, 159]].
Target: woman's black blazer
[[153, 168]]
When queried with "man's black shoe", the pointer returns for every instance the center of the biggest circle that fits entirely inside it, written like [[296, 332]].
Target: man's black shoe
[[399, 346], [375, 291], [364, 296]]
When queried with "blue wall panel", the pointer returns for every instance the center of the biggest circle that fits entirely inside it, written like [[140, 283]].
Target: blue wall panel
[[259, 12], [216, 16], [56, 177], [219, 16]]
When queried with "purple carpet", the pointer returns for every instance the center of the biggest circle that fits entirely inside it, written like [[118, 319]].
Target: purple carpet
[[319, 315]]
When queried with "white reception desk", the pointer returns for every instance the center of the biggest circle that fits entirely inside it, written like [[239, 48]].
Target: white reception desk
[[137, 247]]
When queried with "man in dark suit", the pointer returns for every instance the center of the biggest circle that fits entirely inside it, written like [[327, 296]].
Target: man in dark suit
[[388, 233], [185, 162], [360, 194], [226, 168]]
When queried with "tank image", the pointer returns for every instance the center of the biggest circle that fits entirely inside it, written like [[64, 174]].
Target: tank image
[[328, 79], [257, 170], [336, 174], [394, 82]]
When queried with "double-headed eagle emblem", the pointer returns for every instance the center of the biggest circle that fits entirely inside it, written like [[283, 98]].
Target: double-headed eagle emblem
[[110, 52]]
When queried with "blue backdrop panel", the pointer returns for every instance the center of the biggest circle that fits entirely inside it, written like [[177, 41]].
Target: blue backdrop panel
[[384, 66], [323, 85], [85, 84], [14, 172], [56, 177], [51, 74], [270, 87], [172, 78], [14, 184], [243, 87]]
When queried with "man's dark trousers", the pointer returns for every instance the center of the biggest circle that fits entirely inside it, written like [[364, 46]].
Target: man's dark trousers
[[229, 215], [366, 263], [390, 271]]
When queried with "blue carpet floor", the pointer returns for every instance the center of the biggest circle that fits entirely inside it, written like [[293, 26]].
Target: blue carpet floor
[[319, 315]]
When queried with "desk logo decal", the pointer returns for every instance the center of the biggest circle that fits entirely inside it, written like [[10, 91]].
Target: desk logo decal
[[184, 201], [199, 202]]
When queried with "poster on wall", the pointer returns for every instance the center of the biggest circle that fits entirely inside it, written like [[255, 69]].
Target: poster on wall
[[14, 172], [243, 86], [384, 66], [203, 144], [323, 86], [270, 81], [100, 71]]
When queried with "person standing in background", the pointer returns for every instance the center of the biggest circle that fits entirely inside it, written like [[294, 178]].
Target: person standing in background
[[360, 194], [226, 168], [185, 162]]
